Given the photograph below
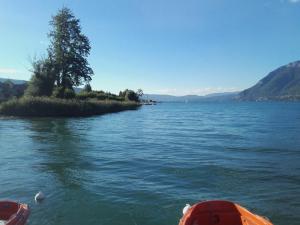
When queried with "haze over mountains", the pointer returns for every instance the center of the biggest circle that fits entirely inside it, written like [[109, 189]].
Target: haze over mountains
[[280, 84], [227, 96], [2, 80]]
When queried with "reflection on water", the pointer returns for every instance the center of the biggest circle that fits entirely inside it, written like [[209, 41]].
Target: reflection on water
[[60, 150]]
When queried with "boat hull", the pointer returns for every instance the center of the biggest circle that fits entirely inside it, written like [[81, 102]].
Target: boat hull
[[14, 213], [221, 213]]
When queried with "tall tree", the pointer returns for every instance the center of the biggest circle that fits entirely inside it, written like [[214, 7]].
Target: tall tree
[[69, 49]]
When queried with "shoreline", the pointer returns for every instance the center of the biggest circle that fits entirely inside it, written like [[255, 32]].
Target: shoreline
[[54, 107]]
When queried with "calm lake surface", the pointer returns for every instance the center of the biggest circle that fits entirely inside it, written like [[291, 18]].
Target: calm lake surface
[[142, 167]]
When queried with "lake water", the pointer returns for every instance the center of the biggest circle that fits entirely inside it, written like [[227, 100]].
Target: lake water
[[142, 167]]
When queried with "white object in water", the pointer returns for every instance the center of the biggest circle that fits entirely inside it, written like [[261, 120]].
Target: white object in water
[[186, 208], [39, 197]]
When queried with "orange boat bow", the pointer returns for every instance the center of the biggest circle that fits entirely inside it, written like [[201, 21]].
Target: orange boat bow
[[13, 213], [221, 213]]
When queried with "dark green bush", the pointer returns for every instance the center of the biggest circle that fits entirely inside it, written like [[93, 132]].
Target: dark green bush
[[87, 88], [98, 95], [129, 95], [42, 80], [86, 95], [60, 92], [69, 93]]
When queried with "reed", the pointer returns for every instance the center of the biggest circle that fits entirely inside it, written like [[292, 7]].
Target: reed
[[49, 107]]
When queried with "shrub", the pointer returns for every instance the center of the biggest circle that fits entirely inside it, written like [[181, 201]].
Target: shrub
[[86, 95], [98, 95], [69, 93], [42, 80], [60, 92], [131, 96], [87, 88]]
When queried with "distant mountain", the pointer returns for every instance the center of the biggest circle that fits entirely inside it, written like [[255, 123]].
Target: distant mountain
[[227, 96], [281, 84], [160, 98], [221, 97], [13, 88], [2, 80], [19, 82]]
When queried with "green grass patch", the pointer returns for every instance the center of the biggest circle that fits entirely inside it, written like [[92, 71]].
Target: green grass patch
[[49, 107], [98, 95]]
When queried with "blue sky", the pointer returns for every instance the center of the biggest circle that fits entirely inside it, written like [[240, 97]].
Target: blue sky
[[162, 46]]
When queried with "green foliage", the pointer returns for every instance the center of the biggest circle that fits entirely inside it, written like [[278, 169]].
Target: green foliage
[[87, 88], [69, 50], [66, 64], [98, 95], [86, 95], [60, 92], [139, 93], [130, 95], [42, 80], [46, 106], [69, 93]]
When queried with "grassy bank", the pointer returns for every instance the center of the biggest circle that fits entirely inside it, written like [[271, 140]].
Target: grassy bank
[[44, 106]]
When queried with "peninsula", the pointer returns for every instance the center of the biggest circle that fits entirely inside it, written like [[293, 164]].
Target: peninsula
[[51, 90]]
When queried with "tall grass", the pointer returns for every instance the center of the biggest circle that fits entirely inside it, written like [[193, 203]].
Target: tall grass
[[46, 106]]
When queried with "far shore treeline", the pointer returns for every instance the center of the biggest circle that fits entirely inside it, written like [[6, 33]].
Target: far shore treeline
[[50, 91]]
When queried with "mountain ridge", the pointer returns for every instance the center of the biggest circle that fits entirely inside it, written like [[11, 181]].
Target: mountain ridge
[[225, 96], [282, 83], [14, 81]]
